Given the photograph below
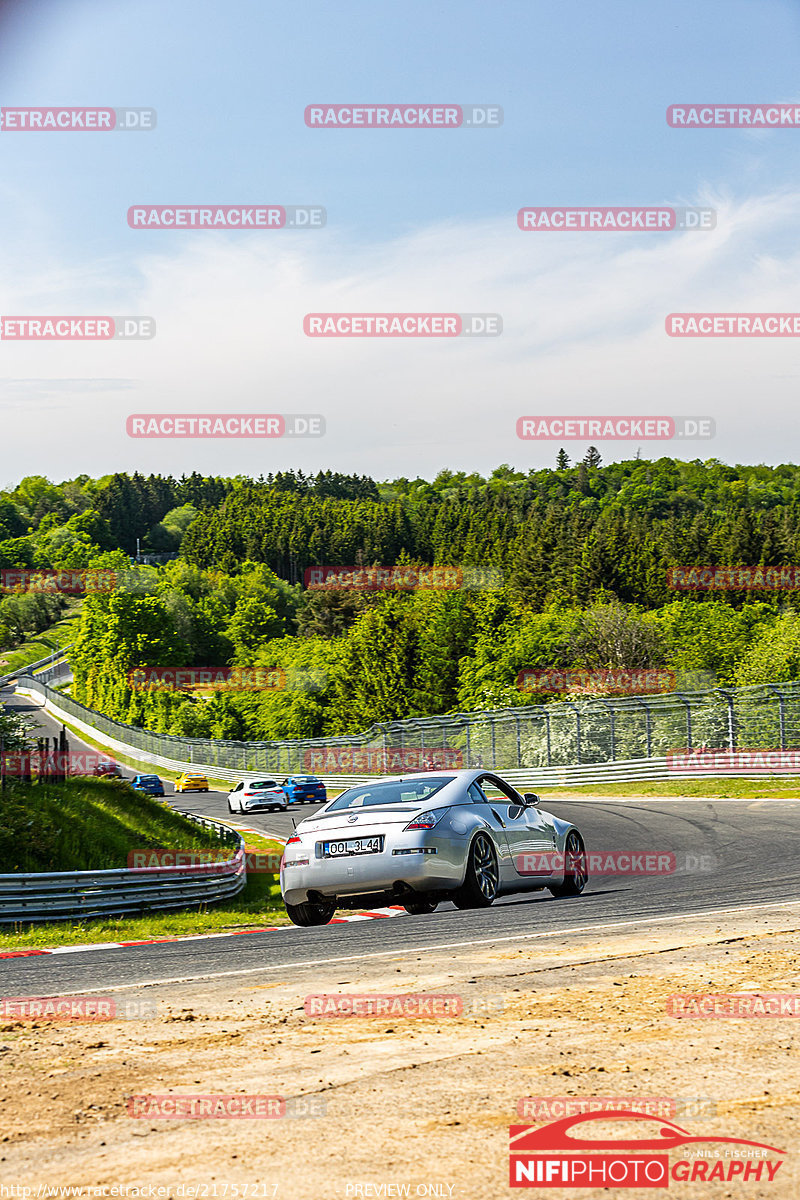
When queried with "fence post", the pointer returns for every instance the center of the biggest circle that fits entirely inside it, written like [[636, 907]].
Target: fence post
[[577, 711], [612, 719], [731, 718], [781, 712], [649, 727]]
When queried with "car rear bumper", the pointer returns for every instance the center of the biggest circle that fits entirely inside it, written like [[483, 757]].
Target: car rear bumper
[[426, 864]]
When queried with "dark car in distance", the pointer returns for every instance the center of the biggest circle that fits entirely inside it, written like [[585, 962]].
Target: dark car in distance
[[305, 789], [108, 769], [150, 784]]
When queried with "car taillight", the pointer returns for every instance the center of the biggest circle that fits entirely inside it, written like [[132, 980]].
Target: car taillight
[[425, 820], [293, 840]]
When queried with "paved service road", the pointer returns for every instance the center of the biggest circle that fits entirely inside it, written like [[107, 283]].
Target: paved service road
[[730, 853]]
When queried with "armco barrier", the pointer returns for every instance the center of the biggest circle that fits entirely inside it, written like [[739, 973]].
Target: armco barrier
[[766, 716], [63, 895], [58, 656]]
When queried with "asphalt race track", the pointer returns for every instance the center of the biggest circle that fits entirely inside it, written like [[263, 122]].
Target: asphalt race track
[[731, 854]]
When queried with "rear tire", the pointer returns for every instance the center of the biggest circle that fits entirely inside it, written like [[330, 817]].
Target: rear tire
[[482, 878], [310, 913], [576, 875], [419, 907]]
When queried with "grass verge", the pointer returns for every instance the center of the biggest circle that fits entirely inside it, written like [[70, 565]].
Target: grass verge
[[115, 816], [47, 642], [87, 824], [772, 787], [259, 905]]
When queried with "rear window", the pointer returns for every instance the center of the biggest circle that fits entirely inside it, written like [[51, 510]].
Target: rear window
[[149, 779], [305, 779], [392, 791], [262, 783]]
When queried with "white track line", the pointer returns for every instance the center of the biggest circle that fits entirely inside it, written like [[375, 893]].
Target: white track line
[[516, 937], [598, 799]]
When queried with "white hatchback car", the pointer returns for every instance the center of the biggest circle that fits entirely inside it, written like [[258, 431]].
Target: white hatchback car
[[258, 793]]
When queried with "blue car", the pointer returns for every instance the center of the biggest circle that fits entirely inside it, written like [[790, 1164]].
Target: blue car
[[304, 789], [150, 784]]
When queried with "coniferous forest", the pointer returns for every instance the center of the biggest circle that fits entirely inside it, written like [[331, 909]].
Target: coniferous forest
[[578, 558]]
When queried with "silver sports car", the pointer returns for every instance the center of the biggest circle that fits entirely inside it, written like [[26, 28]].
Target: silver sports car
[[414, 840]]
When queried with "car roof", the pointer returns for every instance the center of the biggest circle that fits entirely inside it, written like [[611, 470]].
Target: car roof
[[466, 776]]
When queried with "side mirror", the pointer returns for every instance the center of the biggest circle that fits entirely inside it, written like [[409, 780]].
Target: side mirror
[[531, 799]]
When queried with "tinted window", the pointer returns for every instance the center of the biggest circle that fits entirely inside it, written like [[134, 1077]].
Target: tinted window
[[262, 783], [494, 792], [407, 791]]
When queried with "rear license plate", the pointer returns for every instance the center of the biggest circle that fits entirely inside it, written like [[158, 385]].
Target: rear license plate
[[371, 845]]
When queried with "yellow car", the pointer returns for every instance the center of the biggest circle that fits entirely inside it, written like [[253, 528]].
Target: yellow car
[[191, 783]]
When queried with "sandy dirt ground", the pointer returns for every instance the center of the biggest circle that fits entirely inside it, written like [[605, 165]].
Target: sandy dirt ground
[[417, 1104]]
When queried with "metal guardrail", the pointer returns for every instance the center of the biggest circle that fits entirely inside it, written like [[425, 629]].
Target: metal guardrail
[[58, 656], [56, 673], [600, 732], [63, 895], [532, 778]]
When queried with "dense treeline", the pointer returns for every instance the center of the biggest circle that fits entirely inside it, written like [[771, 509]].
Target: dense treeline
[[558, 535], [358, 659], [73, 524], [582, 554]]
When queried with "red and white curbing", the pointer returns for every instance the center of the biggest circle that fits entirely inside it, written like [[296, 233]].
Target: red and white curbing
[[368, 915], [393, 910]]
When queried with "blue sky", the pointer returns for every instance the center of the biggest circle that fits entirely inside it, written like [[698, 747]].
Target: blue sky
[[417, 221]]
